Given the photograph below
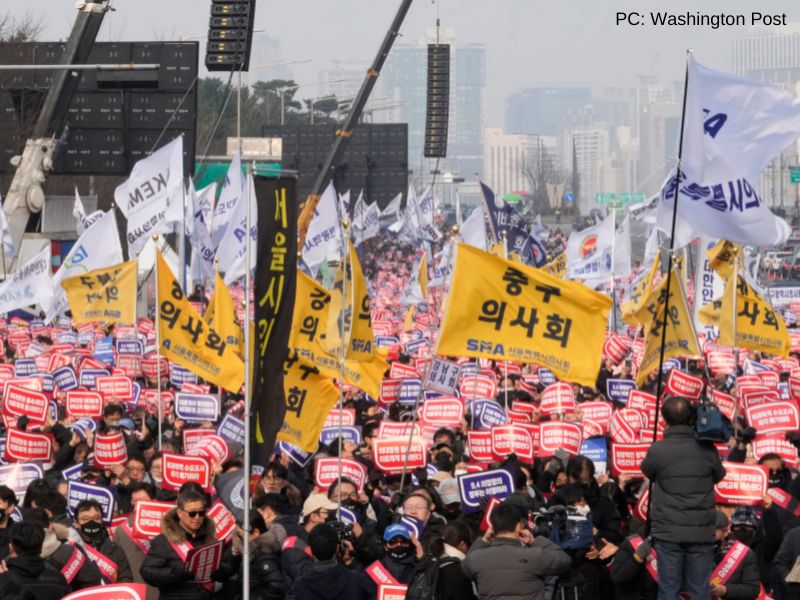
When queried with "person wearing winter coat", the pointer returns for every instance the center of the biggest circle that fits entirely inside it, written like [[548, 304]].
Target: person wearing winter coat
[[184, 527], [93, 537], [785, 560], [26, 569], [508, 562], [449, 551]]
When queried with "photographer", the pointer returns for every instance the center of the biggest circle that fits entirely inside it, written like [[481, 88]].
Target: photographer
[[366, 541]]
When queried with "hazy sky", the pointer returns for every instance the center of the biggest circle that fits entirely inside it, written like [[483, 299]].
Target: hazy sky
[[528, 42]]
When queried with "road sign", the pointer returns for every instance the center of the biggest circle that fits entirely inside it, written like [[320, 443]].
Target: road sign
[[794, 174]]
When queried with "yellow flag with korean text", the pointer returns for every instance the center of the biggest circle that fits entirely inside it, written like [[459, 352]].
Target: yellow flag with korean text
[[506, 311], [350, 311], [186, 339], [107, 294], [722, 257], [662, 309], [637, 294], [310, 395], [423, 276], [221, 316], [558, 266], [758, 326]]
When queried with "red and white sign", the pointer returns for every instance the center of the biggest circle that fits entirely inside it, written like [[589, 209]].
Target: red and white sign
[[117, 591], [480, 445], [721, 363], [203, 561], [769, 378], [392, 591], [56, 361], [147, 517], [25, 446], [348, 417], [599, 412], [617, 348], [130, 364], [389, 454], [640, 400], [390, 391], [559, 434], [119, 387], [774, 417], [625, 426], [395, 429], [399, 370], [683, 384], [558, 398], [326, 472], [755, 398], [213, 447], [20, 401], [512, 438], [794, 388], [774, 444], [224, 521], [627, 458], [84, 404], [478, 386], [177, 470], [743, 484], [193, 438], [592, 428], [445, 412], [725, 402], [487, 515], [110, 449], [150, 367], [151, 396]]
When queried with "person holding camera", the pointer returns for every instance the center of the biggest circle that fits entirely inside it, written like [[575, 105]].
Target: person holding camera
[[682, 472], [508, 562]]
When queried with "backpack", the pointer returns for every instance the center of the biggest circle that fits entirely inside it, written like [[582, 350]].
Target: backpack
[[425, 581]]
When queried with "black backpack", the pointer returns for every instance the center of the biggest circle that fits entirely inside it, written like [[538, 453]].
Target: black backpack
[[425, 581]]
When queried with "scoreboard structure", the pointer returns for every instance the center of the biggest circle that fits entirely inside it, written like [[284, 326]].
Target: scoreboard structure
[[116, 116]]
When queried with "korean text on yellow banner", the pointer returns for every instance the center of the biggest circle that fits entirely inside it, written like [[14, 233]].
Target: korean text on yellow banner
[[507, 311], [107, 294]]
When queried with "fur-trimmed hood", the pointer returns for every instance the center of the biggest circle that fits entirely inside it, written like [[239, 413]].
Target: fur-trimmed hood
[[172, 530], [270, 542]]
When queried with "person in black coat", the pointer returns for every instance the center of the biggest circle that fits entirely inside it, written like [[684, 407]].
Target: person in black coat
[[448, 551], [163, 567], [327, 579], [8, 501], [784, 561], [683, 473], [629, 573], [25, 568], [94, 537]]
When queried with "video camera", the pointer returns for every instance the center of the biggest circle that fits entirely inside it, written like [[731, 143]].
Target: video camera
[[568, 531]]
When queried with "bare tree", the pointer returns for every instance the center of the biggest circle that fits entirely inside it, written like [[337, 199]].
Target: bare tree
[[26, 28], [539, 167]]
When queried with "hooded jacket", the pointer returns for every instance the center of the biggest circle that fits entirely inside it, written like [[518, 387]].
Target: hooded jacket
[[57, 555], [34, 575], [164, 569]]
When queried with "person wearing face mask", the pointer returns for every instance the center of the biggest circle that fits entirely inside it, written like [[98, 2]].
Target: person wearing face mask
[[735, 575], [367, 544], [26, 568], [132, 545], [93, 537], [451, 499], [402, 551], [780, 476], [8, 502]]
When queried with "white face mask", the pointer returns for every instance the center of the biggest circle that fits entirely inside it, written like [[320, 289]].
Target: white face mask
[[583, 510]]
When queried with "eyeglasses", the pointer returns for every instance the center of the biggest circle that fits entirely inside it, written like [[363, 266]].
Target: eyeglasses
[[193, 514]]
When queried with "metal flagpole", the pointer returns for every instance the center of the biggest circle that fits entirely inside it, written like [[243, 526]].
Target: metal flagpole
[[158, 345], [182, 240], [345, 254], [735, 307], [504, 235], [248, 391], [613, 266]]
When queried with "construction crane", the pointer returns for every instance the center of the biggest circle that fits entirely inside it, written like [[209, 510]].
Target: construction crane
[[26, 195]]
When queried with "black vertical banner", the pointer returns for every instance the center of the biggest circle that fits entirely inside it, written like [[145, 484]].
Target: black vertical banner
[[275, 283]]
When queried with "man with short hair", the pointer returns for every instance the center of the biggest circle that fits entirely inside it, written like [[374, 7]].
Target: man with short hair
[[109, 558], [327, 579], [508, 562], [682, 472], [27, 569]]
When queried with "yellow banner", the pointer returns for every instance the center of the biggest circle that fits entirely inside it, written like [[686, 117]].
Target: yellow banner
[[507, 311], [350, 302], [423, 276], [758, 326], [310, 396], [558, 266], [637, 296], [103, 294], [722, 257], [680, 339], [221, 316], [186, 339]]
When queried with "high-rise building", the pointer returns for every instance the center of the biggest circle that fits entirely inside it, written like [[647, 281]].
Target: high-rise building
[[544, 109], [519, 162], [403, 82]]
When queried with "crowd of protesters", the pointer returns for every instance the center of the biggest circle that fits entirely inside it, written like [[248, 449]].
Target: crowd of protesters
[[569, 527]]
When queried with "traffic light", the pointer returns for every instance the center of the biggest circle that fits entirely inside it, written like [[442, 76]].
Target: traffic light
[[438, 107], [230, 35]]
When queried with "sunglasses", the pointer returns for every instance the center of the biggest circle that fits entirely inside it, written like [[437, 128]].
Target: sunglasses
[[193, 514]]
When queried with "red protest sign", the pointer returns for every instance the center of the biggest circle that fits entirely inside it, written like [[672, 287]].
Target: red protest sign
[[389, 454], [110, 449], [177, 470], [21, 401], [147, 517], [511, 438], [743, 484], [627, 458], [625, 426], [399, 370], [480, 445], [390, 391], [599, 412], [756, 397], [130, 364], [326, 472], [150, 399], [82, 403], [725, 402], [394, 429], [56, 361], [774, 417], [617, 348], [774, 444], [477, 386], [347, 415], [213, 447], [487, 515], [151, 366], [559, 434], [592, 429], [518, 416], [192, 438], [445, 412], [683, 384], [223, 519], [392, 591], [558, 398], [25, 446], [721, 362], [115, 386], [769, 378], [641, 400], [203, 561], [116, 591]]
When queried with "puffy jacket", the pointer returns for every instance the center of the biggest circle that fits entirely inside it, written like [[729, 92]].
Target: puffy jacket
[[683, 472], [135, 556], [164, 569], [506, 569], [34, 575], [785, 559], [631, 578], [743, 584], [109, 549], [58, 554], [328, 580]]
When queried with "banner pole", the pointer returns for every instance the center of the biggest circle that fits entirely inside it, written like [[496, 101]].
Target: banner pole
[[735, 307], [157, 320], [248, 467], [345, 254], [504, 236]]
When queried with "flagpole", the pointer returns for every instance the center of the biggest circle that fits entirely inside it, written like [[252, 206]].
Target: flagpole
[[156, 319], [248, 391], [662, 350], [734, 307], [345, 253], [504, 236], [182, 241]]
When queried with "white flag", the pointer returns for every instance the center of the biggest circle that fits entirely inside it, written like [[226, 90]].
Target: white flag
[[407, 225], [473, 230], [412, 293], [98, 247], [82, 222], [393, 208], [232, 249], [733, 127], [232, 191], [324, 237], [622, 248], [344, 204], [425, 217], [368, 226], [30, 284], [443, 266], [199, 235], [360, 210], [152, 197], [589, 251], [205, 203], [5, 232], [708, 284]]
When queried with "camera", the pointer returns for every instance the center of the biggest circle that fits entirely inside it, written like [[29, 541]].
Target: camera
[[568, 531], [344, 531]]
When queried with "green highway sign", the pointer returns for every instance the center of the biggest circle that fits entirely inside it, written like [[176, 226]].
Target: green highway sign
[[622, 199], [794, 174]]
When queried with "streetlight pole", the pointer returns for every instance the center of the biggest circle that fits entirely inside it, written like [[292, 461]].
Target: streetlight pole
[[320, 99]]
